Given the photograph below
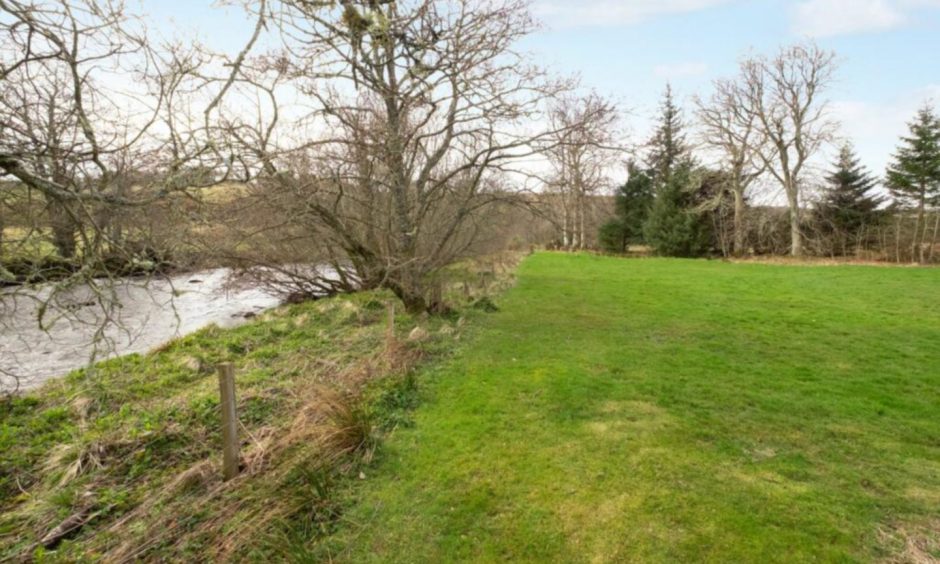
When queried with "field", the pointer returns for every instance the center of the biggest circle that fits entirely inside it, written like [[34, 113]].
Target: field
[[673, 411], [610, 410]]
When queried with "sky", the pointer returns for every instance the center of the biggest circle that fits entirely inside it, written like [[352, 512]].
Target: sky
[[889, 51]]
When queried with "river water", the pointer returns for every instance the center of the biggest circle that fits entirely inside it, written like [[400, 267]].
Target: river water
[[149, 315]]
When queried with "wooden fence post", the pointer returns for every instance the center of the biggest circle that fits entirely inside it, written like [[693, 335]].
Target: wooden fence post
[[230, 456]]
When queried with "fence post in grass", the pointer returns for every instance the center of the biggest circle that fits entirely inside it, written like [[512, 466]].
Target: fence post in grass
[[230, 455]]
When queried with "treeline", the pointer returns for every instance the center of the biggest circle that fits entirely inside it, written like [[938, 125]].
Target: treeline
[[763, 129]]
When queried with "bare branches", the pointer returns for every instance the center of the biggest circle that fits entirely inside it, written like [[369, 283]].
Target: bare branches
[[407, 114], [784, 97], [731, 129], [583, 150], [96, 123]]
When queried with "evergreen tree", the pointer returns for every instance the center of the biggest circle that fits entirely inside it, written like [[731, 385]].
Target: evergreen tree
[[914, 176], [631, 204], [667, 147], [847, 206], [674, 227]]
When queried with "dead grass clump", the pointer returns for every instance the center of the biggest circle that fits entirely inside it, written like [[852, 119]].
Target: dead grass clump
[[91, 457], [288, 477], [912, 544], [349, 432]]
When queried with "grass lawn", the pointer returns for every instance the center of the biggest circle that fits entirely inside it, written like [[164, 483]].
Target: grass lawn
[[669, 410]]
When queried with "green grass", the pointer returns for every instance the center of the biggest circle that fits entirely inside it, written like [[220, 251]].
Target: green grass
[[135, 442], [24, 243], [673, 411]]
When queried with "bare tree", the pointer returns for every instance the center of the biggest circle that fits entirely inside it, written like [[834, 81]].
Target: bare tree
[[784, 95], [582, 155], [411, 118], [82, 88], [88, 103], [731, 131]]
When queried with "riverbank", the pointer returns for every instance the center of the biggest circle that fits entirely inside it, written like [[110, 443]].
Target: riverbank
[[123, 462], [609, 410]]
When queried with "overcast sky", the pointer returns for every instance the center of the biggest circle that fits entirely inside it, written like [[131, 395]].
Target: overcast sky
[[629, 49]]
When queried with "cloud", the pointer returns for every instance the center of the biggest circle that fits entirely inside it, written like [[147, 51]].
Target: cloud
[[680, 70], [580, 13], [875, 128], [828, 18]]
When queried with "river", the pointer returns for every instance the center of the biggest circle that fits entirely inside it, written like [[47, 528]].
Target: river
[[149, 315]]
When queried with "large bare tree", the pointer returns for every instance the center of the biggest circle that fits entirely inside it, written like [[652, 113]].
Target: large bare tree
[[409, 119], [95, 117], [730, 130], [784, 96]]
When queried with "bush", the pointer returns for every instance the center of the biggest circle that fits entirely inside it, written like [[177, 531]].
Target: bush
[[613, 236]]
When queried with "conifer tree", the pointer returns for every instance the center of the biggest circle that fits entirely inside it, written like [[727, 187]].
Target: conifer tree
[[914, 176], [848, 206], [632, 204], [674, 227], [668, 148]]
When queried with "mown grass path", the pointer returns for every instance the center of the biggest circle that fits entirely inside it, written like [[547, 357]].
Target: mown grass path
[[667, 410]]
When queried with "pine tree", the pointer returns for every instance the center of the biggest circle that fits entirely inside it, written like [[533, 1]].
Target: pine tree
[[674, 228], [632, 204], [667, 147], [914, 176], [847, 206]]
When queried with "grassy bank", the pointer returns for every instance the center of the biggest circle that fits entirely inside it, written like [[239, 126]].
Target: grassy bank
[[124, 460], [675, 411]]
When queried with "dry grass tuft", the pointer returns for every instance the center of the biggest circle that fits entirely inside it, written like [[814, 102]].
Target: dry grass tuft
[[287, 472], [913, 544]]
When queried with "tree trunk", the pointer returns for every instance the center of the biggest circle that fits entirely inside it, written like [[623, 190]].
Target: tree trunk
[[897, 239], [63, 229], [581, 223], [739, 242], [565, 240], [920, 227], [411, 297], [796, 235], [933, 240]]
